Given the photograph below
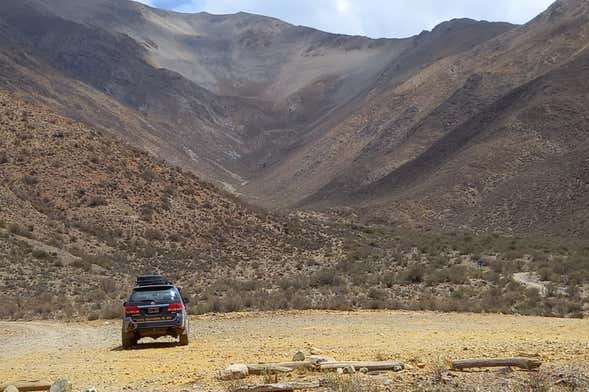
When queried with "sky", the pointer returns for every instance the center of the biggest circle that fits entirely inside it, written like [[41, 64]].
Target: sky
[[373, 18]]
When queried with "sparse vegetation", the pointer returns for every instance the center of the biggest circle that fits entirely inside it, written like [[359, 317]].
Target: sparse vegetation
[[231, 258], [352, 383]]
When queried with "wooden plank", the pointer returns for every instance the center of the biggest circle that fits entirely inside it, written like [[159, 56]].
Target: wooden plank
[[280, 387], [522, 363]]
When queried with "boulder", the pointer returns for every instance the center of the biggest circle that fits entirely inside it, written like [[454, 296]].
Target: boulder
[[61, 386], [299, 356], [346, 370], [349, 370], [11, 388]]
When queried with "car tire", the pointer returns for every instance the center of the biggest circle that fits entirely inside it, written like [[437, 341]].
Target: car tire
[[184, 339], [128, 340]]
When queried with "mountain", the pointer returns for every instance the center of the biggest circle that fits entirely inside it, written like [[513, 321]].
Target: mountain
[[520, 164], [503, 149], [444, 129], [230, 97], [82, 213]]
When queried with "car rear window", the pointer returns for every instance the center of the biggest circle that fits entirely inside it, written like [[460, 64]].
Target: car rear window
[[155, 294]]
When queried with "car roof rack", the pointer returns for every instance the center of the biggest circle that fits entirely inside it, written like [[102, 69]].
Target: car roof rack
[[151, 280]]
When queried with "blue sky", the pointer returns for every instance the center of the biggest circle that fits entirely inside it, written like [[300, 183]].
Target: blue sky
[[374, 18]]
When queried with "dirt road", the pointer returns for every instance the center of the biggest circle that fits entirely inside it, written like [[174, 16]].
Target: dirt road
[[89, 354]]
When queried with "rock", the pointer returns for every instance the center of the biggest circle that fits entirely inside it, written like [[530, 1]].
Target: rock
[[234, 372], [89, 389], [340, 371], [387, 382], [61, 386], [320, 358], [11, 388], [409, 367], [349, 370], [420, 365], [364, 370], [299, 356]]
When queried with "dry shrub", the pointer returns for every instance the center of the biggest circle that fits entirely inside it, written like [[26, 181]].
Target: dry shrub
[[351, 383], [111, 311]]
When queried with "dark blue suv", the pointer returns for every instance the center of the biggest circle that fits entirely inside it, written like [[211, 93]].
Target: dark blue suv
[[154, 309]]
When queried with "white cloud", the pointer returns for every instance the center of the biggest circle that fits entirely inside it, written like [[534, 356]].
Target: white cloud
[[376, 18]]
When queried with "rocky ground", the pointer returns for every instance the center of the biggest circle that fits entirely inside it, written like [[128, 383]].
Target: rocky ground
[[88, 354]]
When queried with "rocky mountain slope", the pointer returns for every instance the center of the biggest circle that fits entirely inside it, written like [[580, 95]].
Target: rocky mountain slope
[[82, 213], [77, 203], [230, 97], [491, 139], [381, 153], [409, 130]]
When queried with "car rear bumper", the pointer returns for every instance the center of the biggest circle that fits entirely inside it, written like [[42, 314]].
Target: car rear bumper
[[156, 328]]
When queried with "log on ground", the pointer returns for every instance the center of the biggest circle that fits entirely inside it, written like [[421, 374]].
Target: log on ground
[[28, 386], [277, 368], [522, 363], [369, 366], [280, 387]]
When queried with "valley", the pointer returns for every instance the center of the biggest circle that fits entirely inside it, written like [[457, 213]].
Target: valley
[[77, 202], [268, 166], [420, 199]]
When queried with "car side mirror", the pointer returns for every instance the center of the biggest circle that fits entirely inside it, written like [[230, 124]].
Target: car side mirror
[[186, 300]]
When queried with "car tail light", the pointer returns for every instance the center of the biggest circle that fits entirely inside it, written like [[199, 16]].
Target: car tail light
[[177, 307], [132, 310]]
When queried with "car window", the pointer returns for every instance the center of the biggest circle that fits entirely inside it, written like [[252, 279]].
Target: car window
[[164, 295]]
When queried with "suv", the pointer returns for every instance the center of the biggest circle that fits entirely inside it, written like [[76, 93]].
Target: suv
[[154, 309]]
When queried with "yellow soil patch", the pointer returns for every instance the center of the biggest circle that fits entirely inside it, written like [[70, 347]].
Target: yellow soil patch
[[88, 354]]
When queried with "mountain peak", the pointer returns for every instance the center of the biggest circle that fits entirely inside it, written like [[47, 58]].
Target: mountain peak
[[564, 9]]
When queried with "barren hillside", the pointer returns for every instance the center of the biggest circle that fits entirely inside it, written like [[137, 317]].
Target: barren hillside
[[81, 213], [75, 202], [473, 125], [396, 132], [230, 97]]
